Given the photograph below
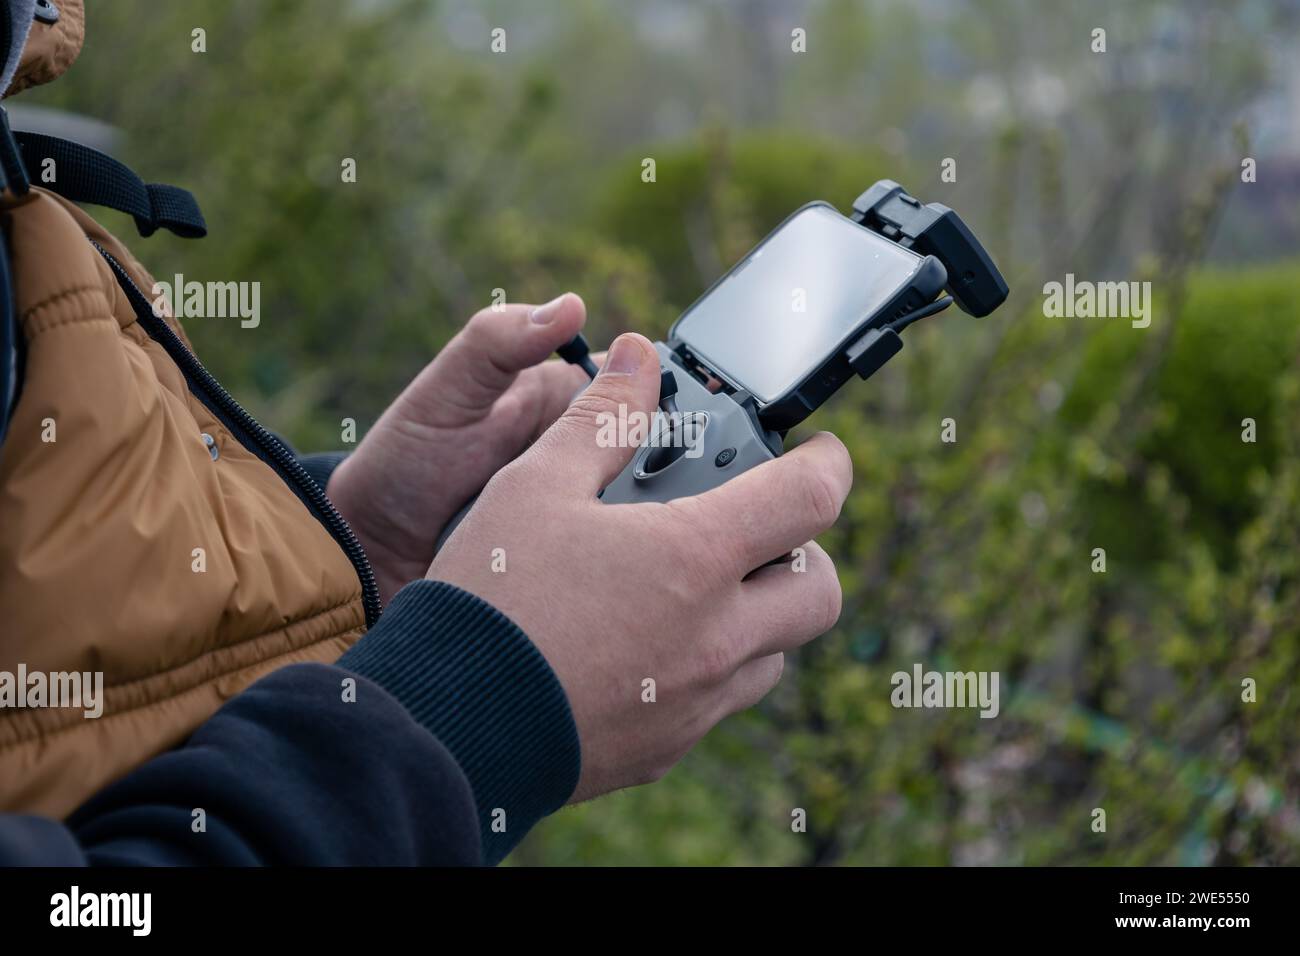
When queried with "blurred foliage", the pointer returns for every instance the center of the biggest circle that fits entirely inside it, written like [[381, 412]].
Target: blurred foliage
[[1120, 690]]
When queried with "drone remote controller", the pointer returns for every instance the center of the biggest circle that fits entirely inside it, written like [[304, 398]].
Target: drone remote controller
[[823, 298]]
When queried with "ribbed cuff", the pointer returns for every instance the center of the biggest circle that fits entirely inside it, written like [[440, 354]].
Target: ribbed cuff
[[320, 466], [467, 673]]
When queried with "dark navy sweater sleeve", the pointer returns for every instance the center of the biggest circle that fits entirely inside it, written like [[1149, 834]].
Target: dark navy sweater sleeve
[[321, 465], [483, 688], [439, 739], [289, 771]]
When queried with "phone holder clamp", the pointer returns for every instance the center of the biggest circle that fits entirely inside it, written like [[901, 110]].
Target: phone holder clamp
[[933, 229]]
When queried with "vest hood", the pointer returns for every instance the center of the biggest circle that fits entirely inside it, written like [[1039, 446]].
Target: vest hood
[[36, 52]]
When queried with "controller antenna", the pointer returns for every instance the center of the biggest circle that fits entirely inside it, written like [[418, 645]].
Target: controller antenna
[[667, 389], [577, 352]]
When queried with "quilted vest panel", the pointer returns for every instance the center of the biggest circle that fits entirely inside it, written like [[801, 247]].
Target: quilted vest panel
[[109, 493]]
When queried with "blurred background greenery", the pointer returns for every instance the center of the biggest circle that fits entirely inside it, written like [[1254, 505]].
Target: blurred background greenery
[[1120, 690]]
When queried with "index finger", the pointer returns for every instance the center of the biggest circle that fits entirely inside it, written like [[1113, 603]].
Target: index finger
[[766, 512]]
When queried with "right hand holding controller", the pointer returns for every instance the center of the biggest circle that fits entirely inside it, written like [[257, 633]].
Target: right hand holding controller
[[681, 592]]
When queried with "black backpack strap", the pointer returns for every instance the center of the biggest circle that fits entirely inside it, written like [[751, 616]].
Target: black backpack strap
[[86, 175], [12, 172], [13, 183], [11, 344]]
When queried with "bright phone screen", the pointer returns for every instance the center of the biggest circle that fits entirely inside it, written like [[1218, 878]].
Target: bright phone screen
[[794, 301]]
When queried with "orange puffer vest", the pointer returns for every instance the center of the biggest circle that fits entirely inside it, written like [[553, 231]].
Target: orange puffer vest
[[144, 532]]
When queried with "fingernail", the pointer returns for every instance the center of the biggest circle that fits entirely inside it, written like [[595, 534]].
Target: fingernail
[[544, 313], [625, 356]]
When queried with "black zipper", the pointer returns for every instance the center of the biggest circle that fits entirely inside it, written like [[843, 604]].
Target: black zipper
[[252, 436]]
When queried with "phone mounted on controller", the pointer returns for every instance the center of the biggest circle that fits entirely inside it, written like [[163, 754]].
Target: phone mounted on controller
[[711, 426]]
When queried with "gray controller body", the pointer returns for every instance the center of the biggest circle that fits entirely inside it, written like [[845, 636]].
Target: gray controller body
[[719, 437], [729, 440]]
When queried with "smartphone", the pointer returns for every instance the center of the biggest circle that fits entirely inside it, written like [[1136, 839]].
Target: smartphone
[[778, 324]]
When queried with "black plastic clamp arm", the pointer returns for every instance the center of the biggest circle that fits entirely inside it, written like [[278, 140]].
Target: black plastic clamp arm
[[974, 281]]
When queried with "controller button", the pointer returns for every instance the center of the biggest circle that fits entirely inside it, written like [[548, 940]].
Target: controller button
[[725, 457]]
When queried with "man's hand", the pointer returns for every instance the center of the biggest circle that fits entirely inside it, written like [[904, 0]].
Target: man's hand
[[475, 407], [682, 594]]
